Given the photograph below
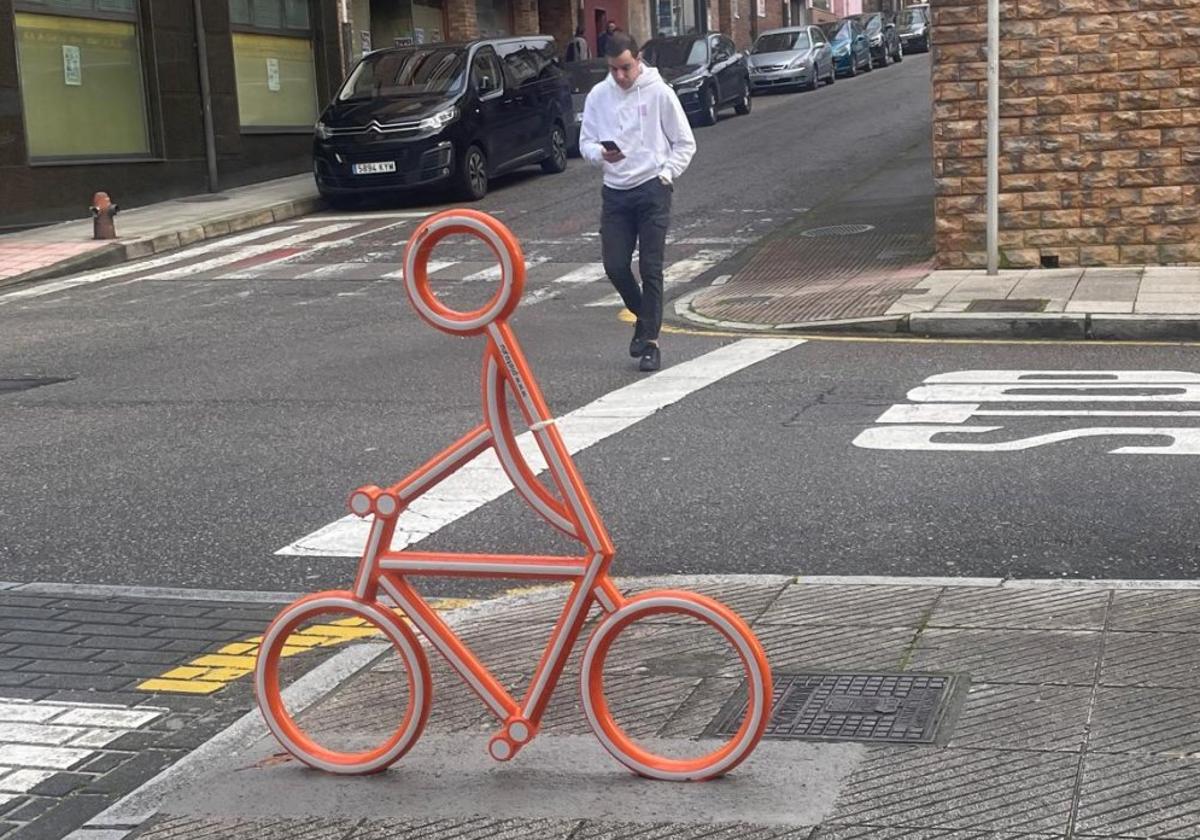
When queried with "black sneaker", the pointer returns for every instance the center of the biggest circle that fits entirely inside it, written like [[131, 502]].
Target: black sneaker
[[637, 346], [651, 359]]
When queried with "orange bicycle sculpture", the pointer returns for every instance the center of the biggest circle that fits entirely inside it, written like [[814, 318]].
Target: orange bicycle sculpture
[[506, 375]]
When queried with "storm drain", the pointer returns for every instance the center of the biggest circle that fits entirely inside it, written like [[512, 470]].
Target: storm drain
[[24, 383], [1007, 305], [838, 230], [878, 708]]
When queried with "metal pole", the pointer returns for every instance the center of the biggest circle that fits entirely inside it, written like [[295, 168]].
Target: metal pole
[[993, 138], [210, 140]]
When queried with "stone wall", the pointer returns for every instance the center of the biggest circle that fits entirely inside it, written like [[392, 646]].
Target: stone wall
[[1100, 131]]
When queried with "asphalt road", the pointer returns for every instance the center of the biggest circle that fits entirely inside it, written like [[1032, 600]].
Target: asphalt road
[[219, 413]]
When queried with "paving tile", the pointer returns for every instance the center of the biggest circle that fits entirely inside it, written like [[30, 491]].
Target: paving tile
[[1063, 657], [984, 790], [1156, 610], [1029, 609], [793, 649], [1145, 721], [1165, 660], [1127, 796], [854, 606], [1024, 717]]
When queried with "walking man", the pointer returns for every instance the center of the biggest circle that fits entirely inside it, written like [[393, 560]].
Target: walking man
[[577, 50], [602, 38], [636, 130]]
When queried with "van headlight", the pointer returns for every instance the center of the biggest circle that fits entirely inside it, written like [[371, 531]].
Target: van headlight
[[439, 120], [323, 131]]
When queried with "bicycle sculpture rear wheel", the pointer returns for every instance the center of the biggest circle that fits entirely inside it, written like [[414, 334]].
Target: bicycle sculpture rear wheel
[[735, 631]]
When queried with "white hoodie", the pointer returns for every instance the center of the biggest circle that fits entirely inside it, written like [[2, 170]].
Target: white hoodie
[[646, 121]]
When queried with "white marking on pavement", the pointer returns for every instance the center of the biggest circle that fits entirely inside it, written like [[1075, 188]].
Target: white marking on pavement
[[945, 403], [431, 267], [493, 273], [39, 739], [483, 479], [165, 592], [255, 250], [143, 265], [678, 272]]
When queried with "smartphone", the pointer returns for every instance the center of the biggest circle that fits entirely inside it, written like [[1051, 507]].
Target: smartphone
[[610, 145]]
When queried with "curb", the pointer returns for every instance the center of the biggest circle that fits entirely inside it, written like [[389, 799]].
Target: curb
[[124, 251], [979, 325]]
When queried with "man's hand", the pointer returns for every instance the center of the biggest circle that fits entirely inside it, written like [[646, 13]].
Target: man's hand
[[611, 156]]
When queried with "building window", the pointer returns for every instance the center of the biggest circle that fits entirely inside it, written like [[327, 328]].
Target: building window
[[80, 66], [274, 63], [675, 17], [403, 24], [493, 17]]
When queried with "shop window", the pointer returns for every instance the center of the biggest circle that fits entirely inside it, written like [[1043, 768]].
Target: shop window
[[274, 63], [493, 17], [80, 67]]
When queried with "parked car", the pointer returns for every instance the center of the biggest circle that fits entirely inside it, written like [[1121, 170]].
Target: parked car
[[444, 114], [582, 76], [851, 52], [706, 72], [796, 55], [882, 38], [912, 25]]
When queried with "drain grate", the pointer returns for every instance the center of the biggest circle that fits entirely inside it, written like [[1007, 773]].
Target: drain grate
[[24, 383], [838, 230], [1007, 305], [892, 708]]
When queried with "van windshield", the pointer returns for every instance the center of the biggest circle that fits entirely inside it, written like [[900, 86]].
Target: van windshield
[[409, 72]]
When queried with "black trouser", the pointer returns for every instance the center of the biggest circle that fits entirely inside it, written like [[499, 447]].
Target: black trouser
[[640, 217]]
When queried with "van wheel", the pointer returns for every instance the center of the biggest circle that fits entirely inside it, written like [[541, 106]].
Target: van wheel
[[557, 161], [471, 178]]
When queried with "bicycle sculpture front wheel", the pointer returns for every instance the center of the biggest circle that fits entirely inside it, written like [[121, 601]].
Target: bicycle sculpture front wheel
[[665, 647], [340, 615]]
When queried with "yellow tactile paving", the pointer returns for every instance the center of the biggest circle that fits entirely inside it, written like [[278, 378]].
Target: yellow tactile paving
[[213, 671]]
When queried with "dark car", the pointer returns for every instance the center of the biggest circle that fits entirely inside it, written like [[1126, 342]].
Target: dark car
[[706, 72], [912, 25], [881, 38], [851, 52], [444, 114], [582, 77]]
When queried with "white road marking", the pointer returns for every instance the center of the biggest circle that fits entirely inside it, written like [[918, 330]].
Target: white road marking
[[143, 265], [493, 272], [945, 404], [682, 271], [293, 241], [484, 480], [39, 739]]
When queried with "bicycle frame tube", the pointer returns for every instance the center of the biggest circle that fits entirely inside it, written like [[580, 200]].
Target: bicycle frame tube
[[593, 586]]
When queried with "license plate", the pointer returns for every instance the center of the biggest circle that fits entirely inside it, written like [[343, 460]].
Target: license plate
[[374, 168]]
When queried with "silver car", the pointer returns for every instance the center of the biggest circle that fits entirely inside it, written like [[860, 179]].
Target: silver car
[[797, 56]]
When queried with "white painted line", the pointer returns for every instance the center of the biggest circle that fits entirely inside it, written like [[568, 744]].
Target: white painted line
[[128, 813], [682, 271], [145, 265], [996, 583], [888, 580], [298, 239], [589, 273], [493, 273], [68, 590], [431, 268], [484, 479]]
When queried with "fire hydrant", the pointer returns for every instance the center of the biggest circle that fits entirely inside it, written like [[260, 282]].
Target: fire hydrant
[[103, 210]]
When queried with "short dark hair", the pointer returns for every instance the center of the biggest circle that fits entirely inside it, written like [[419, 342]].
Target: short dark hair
[[619, 42]]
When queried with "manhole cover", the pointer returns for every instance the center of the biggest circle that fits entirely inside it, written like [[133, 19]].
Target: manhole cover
[[1007, 305], [24, 383], [838, 230], [895, 708], [201, 199]]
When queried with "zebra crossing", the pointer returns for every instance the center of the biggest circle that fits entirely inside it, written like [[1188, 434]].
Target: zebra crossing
[[367, 249]]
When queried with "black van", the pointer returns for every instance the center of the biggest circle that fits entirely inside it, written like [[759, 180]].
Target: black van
[[453, 114]]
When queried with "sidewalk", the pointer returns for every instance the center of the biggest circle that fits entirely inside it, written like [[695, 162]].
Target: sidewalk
[[789, 285], [66, 248], [1056, 709]]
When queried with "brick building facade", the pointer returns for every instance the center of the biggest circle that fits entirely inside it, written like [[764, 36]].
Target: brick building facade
[[1099, 131]]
